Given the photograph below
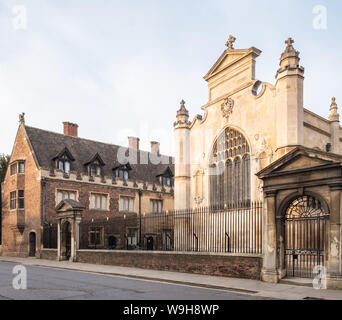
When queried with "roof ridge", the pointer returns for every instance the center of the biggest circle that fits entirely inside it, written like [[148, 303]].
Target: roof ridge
[[90, 140]]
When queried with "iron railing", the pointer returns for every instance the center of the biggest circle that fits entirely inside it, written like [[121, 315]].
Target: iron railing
[[228, 229]]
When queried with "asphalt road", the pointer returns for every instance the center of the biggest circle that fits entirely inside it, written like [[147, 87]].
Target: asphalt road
[[56, 284]]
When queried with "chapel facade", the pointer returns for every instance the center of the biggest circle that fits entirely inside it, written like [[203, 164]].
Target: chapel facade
[[257, 142]]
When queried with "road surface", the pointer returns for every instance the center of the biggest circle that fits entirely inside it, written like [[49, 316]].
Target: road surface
[[57, 284]]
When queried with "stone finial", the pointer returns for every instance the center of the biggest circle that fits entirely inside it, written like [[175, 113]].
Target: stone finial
[[22, 118], [182, 116], [289, 47], [334, 116], [230, 42], [182, 110], [290, 58], [289, 42]]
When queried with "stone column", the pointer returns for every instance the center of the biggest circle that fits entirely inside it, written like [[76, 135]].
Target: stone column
[[77, 233], [334, 239], [59, 239], [269, 271], [182, 159], [73, 245]]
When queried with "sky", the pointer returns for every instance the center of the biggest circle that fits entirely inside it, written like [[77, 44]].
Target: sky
[[120, 68]]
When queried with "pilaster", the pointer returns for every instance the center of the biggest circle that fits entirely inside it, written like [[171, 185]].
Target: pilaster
[[334, 268], [269, 271]]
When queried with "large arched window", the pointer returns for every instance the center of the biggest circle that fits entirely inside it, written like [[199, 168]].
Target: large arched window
[[230, 171]]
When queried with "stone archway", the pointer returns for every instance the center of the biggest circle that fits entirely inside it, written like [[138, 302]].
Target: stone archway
[[32, 244], [69, 214], [66, 240], [304, 234], [150, 243], [112, 242], [303, 193]]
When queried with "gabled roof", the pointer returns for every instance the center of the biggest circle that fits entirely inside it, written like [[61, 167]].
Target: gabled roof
[[168, 172], [66, 152], [46, 145], [122, 166], [97, 158], [300, 159], [230, 57]]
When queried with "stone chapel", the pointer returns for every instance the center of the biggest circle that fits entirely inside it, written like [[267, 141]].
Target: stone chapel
[[257, 142]]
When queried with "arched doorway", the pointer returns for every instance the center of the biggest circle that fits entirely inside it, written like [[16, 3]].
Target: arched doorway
[[305, 230], [150, 243], [66, 240], [32, 246], [112, 242]]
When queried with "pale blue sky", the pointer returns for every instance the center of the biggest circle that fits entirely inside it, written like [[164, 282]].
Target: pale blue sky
[[120, 67]]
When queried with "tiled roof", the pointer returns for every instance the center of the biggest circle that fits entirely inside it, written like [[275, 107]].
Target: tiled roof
[[47, 145]]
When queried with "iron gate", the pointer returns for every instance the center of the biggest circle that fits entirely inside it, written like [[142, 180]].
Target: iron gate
[[305, 223]]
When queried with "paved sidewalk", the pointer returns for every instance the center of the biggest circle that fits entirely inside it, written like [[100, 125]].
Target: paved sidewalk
[[252, 287]]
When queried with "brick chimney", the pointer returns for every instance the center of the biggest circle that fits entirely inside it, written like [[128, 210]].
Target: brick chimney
[[155, 147], [70, 129], [133, 143]]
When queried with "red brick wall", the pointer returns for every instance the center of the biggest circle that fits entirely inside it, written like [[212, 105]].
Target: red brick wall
[[84, 189], [48, 254], [248, 267], [14, 240]]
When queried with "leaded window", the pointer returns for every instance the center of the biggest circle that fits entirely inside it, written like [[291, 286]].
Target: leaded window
[[230, 173]]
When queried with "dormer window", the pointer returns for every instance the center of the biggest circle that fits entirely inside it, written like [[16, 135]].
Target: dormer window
[[166, 178], [122, 171], [64, 165], [95, 166], [95, 170], [63, 161], [166, 181], [123, 174]]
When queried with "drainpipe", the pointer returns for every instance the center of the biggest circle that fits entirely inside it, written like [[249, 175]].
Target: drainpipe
[[140, 194]]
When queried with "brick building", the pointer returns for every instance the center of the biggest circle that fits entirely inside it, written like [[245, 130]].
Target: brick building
[[115, 185]]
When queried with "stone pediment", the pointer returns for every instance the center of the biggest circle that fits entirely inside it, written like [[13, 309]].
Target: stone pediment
[[231, 59], [300, 158], [69, 205], [302, 162]]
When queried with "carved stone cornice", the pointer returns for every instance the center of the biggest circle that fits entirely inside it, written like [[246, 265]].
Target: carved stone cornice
[[335, 187], [182, 124]]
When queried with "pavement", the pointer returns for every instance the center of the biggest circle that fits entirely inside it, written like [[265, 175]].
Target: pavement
[[251, 288]]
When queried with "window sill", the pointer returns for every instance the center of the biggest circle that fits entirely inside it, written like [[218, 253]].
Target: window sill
[[95, 209], [98, 246]]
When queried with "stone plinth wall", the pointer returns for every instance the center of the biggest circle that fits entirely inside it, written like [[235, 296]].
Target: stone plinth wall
[[227, 265], [49, 254]]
